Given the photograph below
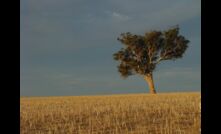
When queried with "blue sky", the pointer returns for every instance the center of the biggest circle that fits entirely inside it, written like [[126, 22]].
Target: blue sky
[[67, 45]]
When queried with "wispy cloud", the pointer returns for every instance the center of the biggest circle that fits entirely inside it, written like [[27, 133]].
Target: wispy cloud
[[120, 16]]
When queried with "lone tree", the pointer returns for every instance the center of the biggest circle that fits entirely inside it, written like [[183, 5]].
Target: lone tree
[[141, 54]]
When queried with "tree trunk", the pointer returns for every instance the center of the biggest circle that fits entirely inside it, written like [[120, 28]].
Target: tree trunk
[[149, 80]]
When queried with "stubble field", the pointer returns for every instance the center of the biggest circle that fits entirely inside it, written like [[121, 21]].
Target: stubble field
[[165, 113]]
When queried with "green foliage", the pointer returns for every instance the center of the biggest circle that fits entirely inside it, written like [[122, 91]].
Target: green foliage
[[141, 54]]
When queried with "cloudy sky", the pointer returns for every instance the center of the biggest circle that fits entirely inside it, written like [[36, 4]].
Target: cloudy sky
[[67, 45]]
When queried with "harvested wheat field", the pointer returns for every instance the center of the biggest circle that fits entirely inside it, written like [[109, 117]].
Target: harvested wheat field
[[165, 113]]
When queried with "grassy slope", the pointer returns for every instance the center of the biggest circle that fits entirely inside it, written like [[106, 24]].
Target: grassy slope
[[131, 113]]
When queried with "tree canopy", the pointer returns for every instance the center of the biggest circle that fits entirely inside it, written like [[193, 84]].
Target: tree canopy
[[141, 54]]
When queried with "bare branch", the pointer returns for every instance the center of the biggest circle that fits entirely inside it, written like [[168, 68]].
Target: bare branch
[[149, 55], [160, 59]]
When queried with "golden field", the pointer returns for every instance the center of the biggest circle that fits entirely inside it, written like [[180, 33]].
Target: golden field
[[164, 113]]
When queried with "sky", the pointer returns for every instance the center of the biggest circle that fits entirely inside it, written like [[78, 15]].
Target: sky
[[66, 46]]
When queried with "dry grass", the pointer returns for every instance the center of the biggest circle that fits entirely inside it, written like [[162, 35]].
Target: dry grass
[[171, 113]]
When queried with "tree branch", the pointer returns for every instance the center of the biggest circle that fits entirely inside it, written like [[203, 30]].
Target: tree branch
[[160, 59], [150, 57]]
